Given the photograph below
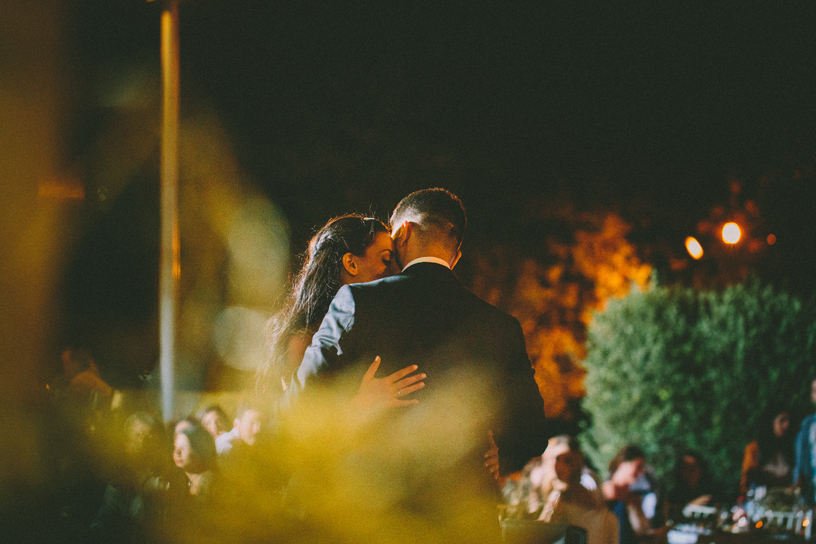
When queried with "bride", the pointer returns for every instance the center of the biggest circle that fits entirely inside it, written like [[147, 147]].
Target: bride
[[348, 249]]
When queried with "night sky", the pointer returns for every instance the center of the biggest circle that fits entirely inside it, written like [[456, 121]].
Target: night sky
[[654, 100], [651, 111]]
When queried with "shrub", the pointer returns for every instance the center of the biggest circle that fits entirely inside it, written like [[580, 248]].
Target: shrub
[[672, 368]]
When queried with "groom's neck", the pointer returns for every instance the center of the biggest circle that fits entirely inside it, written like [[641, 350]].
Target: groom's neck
[[431, 250]]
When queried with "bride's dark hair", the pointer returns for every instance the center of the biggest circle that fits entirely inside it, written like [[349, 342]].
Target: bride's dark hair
[[314, 288]]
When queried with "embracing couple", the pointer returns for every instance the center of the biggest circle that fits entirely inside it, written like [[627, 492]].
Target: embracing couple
[[456, 374]]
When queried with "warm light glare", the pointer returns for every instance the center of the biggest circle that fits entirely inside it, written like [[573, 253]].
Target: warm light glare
[[61, 189], [731, 233], [693, 247], [771, 239], [759, 524]]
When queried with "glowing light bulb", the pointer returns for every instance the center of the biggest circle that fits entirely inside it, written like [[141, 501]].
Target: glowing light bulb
[[694, 248], [731, 233]]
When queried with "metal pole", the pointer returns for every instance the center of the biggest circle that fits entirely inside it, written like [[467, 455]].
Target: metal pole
[[169, 266]]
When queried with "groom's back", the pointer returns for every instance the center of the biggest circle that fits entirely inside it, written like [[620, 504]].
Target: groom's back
[[478, 379], [426, 317]]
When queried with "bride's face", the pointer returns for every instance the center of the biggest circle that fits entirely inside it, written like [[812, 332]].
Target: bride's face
[[378, 260]]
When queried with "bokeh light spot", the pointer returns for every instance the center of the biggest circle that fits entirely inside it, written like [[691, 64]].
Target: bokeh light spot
[[694, 248], [239, 337], [731, 233]]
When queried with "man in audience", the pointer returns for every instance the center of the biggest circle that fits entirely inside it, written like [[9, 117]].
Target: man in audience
[[246, 428], [214, 419]]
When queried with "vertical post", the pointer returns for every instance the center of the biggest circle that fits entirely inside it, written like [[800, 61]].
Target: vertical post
[[169, 265]]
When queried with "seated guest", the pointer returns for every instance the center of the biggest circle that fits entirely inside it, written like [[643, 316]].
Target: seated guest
[[624, 470], [175, 426], [565, 471], [85, 386], [214, 419], [804, 472], [526, 494], [193, 517], [522, 491], [569, 500], [137, 497], [691, 485], [648, 487], [769, 459], [194, 453], [253, 479], [246, 427]]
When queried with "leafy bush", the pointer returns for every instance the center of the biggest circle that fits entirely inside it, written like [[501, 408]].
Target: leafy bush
[[673, 368]]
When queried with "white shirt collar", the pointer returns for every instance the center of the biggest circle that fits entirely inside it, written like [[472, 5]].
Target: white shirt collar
[[436, 260]]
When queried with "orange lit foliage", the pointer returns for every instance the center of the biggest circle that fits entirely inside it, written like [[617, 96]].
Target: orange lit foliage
[[552, 277]]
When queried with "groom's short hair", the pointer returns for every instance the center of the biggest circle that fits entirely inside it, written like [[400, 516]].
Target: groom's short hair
[[434, 209]]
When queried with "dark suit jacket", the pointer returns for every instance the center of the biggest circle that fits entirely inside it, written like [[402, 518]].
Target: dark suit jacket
[[479, 378]]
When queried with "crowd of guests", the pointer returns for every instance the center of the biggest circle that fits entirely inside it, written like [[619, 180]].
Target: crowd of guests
[[631, 505], [186, 480], [196, 478], [205, 476], [133, 478]]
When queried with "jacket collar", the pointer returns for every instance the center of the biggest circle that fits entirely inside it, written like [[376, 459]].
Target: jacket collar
[[430, 270], [418, 260]]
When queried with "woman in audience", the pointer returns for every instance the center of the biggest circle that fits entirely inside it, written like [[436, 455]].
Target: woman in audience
[[565, 479], [175, 425], [691, 485], [769, 459], [572, 493], [194, 453], [522, 491]]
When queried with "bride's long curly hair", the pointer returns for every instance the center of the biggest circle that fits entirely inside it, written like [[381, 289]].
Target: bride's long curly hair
[[314, 288]]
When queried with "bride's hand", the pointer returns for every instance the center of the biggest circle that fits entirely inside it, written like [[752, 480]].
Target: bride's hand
[[378, 393]]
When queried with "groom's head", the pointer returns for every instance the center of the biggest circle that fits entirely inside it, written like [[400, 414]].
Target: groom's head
[[428, 223]]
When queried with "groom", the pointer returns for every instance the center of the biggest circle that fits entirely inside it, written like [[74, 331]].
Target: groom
[[418, 472]]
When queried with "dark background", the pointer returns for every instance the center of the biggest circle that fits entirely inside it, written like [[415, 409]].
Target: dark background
[[669, 115]]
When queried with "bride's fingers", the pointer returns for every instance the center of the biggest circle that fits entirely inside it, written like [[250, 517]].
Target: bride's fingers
[[405, 382], [369, 375], [410, 389], [399, 374]]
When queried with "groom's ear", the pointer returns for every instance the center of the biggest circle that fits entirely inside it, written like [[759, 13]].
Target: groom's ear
[[397, 230], [350, 264], [400, 233], [409, 229]]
